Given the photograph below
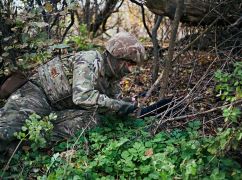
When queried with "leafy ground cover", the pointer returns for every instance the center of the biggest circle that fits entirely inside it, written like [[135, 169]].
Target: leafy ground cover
[[124, 149], [128, 148], [202, 142]]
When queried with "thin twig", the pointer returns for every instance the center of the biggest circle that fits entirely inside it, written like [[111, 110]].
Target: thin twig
[[143, 17], [69, 26], [200, 113], [153, 86], [144, 21], [181, 52], [10, 159], [195, 40], [156, 48]]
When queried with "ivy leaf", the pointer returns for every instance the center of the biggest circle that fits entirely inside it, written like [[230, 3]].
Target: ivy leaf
[[145, 169], [125, 155], [24, 128]]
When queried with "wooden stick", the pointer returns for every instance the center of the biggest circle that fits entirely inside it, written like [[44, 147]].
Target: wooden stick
[[200, 113]]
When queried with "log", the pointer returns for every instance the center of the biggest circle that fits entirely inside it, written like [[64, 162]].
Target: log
[[199, 12]]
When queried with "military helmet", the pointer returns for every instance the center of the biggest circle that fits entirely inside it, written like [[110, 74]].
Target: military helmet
[[123, 45]]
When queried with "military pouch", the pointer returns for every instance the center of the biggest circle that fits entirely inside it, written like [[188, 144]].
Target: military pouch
[[54, 81], [14, 82]]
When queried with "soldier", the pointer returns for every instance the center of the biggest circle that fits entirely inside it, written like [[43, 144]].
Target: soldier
[[86, 82]]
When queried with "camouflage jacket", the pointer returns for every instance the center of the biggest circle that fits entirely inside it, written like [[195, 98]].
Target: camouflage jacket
[[83, 82]]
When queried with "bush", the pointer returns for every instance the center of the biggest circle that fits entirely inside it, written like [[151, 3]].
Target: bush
[[126, 150]]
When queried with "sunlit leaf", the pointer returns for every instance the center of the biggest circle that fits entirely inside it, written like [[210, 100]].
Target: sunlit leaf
[[48, 7]]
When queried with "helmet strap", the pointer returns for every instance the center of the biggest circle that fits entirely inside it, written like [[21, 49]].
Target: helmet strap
[[110, 66]]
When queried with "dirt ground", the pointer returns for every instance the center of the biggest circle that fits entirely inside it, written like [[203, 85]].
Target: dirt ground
[[192, 80]]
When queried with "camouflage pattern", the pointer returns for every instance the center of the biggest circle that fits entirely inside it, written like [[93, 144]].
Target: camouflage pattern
[[89, 84], [80, 81], [68, 122], [25, 101], [123, 45], [90, 87], [29, 99], [54, 81]]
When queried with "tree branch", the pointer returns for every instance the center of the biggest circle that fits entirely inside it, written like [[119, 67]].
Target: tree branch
[[195, 40], [103, 15], [143, 16], [168, 60], [200, 113], [55, 21], [156, 47], [136, 2], [144, 21], [69, 26]]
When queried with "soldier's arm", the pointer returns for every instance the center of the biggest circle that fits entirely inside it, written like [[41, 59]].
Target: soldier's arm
[[84, 93]]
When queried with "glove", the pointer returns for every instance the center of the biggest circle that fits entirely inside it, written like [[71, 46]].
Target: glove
[[130, 99], [126, 109]]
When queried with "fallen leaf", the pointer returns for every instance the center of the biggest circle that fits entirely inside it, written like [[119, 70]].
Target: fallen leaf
[[149, 152]]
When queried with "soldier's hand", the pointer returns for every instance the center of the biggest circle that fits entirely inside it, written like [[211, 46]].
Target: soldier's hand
[[130, 99], [127, 108]]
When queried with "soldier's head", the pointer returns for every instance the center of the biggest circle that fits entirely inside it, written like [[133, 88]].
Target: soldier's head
[[123, 52]]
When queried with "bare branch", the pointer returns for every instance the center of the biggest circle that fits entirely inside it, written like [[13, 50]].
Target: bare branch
[[136, 2], [69, 26], [168, 60], [156, 47], [144, 21], [239, 102]]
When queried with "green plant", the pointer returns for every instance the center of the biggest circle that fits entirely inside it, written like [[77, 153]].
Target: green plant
[[229, 89], [37, 130], [229, 84], [82, 40], [124, 149]]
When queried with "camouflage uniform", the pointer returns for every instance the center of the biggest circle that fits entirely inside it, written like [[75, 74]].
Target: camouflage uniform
[[85, 81]]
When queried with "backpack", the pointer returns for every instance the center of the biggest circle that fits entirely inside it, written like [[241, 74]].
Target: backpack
[[12, 83], [54, 81]]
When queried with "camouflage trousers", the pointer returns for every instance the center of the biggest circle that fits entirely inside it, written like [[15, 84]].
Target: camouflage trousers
[[31, 99]]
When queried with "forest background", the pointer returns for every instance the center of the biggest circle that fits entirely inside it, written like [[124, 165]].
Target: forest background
[[193, 55]]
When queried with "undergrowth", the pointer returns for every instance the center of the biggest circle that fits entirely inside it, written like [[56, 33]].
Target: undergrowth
[[125, 149]]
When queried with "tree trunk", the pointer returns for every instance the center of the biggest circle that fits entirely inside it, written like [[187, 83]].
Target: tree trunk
[[156, 62], [199, 12], [168, 59]]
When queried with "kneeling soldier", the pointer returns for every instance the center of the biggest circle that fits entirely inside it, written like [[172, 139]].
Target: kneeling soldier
[[86, 81]]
